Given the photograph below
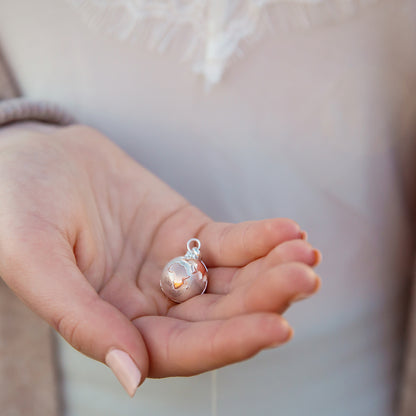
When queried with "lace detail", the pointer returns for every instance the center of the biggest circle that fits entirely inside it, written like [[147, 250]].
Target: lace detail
[[216, 29]]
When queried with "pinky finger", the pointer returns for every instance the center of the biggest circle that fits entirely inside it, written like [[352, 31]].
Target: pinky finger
[[183, 348]]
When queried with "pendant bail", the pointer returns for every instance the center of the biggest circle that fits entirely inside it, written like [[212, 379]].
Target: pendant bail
[[193, 253]]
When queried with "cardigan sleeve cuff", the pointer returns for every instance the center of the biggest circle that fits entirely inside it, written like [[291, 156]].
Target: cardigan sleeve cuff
[[23, 109]]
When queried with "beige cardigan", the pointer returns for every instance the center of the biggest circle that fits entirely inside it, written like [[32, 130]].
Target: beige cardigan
[[29, 376]]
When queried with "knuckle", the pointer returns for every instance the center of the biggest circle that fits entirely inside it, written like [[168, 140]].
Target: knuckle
[[245, 238], [222, 239], [68, 327]]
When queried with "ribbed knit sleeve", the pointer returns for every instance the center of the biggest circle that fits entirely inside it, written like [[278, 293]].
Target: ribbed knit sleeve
[[22, 109], [13, 109]]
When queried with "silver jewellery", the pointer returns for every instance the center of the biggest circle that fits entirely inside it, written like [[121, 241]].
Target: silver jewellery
[[186, 276]]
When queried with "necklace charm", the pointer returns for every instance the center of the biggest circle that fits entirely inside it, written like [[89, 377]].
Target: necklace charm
[[186, 276]]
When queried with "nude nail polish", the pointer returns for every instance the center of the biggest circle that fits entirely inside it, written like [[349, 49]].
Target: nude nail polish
[[124, 368], [318, 257]]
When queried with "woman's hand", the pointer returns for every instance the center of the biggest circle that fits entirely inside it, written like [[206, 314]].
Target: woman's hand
[[85, 232]]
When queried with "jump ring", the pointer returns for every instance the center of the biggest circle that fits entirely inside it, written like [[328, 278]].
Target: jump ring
[[198, 244]]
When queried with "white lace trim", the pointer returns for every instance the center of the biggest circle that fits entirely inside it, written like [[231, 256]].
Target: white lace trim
[[215, 29]]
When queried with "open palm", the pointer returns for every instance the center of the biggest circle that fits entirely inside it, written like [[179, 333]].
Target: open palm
[[86, 232]]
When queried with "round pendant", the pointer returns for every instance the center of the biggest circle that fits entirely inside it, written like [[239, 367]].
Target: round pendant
[[186, 276]]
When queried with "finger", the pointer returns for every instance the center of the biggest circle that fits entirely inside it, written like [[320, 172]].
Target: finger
[[297, 251], [41, 270], [225, 244], [293, 251], [222, 279], [273, 291], [180, 348]]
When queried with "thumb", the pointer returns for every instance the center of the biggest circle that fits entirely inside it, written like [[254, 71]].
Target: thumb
[[46, 277]]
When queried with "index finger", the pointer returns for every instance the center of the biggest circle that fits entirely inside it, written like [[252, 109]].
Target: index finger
[[235, 245]]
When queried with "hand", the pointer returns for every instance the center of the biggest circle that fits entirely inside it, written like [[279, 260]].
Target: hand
[[85, 234]]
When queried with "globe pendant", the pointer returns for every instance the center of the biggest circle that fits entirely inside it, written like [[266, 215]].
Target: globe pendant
[[186, 276]]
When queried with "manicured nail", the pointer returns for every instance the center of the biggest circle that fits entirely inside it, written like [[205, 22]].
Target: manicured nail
[[124, 369], [318, 257], [304, 235]]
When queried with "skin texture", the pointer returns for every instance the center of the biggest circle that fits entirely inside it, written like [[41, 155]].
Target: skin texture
[[86, 232]]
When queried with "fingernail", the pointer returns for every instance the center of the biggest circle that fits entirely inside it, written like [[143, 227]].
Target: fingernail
[[318, 257], [301, 296], [124, 369], [304, 235]]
